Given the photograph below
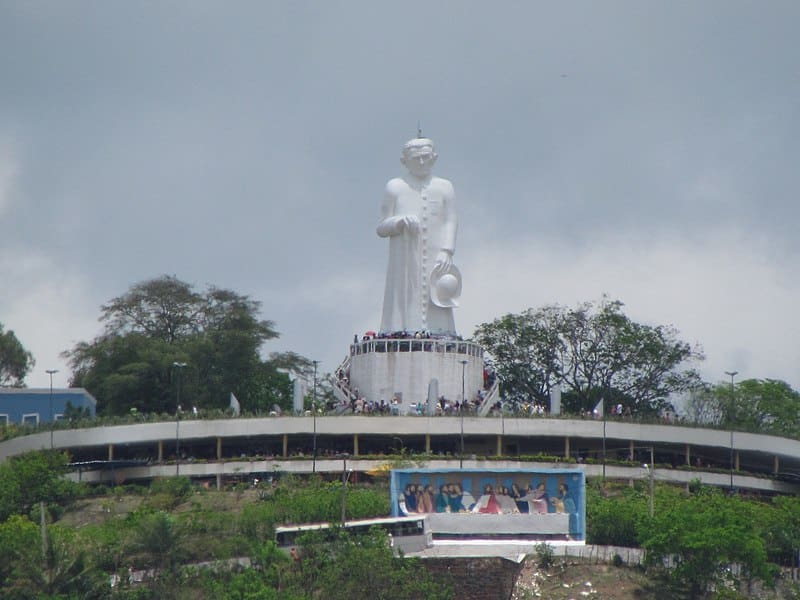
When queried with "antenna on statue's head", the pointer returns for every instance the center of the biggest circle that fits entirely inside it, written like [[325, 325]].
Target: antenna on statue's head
[[419, 131]]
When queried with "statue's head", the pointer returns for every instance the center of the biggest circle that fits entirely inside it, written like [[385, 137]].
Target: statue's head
[[419, 156]]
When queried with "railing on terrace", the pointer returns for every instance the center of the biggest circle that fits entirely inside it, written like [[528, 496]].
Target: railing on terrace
[[489, 399], [341, 383], [412, 344], [12, 430]]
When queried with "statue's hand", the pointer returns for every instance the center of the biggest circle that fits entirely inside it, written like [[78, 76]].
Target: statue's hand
[[411, 223], [443, 261]]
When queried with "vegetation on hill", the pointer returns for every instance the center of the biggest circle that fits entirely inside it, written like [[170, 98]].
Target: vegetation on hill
[[142, 538]]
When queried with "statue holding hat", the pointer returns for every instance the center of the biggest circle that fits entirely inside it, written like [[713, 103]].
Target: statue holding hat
[[418, 215]]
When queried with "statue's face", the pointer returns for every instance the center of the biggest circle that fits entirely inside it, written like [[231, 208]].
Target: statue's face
[[419, 160]]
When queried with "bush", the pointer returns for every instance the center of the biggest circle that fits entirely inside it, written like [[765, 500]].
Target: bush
[[545, 557], [32, 478], [613, 520], [167, 493]]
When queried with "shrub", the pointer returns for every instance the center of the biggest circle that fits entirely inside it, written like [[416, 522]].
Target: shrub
[[545, 557]]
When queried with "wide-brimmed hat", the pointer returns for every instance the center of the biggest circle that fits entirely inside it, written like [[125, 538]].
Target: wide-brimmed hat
[[445, 287]]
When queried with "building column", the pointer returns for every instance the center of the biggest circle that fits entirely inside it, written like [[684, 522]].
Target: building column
[[219, 448], [776, 464], [736, 461], [631, 451], [160, 450], [111, 452], [566, 447], [688, 455], [427, 443], [499, 451], [285, 445], [355, 444]]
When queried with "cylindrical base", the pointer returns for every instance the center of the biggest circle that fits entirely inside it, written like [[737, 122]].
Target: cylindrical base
[[384, 368]]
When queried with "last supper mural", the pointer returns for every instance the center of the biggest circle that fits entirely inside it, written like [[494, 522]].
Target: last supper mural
[[546, 503]]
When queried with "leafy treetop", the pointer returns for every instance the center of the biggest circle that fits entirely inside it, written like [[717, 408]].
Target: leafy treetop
[[159, 322], [593, 351], [15, 361]]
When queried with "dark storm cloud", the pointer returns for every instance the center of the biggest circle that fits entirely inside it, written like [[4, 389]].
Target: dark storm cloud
[[247, 144]]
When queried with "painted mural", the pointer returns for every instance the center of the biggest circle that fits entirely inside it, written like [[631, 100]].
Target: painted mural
[[470, 492]]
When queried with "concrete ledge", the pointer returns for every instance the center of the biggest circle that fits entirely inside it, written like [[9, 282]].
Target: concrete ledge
[[480, 524]]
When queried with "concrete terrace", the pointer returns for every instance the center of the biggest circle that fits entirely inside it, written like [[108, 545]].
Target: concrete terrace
[[234, 447]]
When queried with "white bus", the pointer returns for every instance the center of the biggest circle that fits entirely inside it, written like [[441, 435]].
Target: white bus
[[406, 534]]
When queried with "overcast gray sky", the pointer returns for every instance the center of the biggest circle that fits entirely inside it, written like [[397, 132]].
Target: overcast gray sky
[[644, 150]]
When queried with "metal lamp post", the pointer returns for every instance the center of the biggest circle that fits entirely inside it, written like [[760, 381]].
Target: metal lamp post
[[603, 408], [651, 473], [179, 366], [345, 477], [51, 372], [732, 374], [314, 418], [463, 402]]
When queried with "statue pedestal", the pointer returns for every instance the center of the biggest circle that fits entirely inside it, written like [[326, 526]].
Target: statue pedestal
[[382, 368]]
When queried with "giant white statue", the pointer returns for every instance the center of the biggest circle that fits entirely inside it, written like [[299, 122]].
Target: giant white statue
[[418, 215]]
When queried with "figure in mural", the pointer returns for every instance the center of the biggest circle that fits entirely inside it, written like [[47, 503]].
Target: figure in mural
[[505, 502], [487, 503], [537, 498], [516, 494], [410, 495], [425, 500], [455, 501], [418, 215], [563, 502], [442, 498]]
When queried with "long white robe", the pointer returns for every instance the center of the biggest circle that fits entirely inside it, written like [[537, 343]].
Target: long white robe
[[407, 304]]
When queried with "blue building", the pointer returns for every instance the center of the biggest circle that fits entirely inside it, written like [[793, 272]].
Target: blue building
[[32, 406]]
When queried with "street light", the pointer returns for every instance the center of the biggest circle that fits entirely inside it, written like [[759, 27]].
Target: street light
[[345, 477], [463, 402], [732, 374], [314, 417], [51, 372], [179, 366], [651, 471], [603, 408]]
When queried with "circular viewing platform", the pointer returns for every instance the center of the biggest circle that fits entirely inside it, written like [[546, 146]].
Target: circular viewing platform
[[403, 368], [411, 344]]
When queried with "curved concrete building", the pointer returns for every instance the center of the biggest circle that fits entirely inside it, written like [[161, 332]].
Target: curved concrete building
[[236, 447]]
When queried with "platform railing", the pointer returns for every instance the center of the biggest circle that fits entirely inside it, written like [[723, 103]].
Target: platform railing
[[489, 399]]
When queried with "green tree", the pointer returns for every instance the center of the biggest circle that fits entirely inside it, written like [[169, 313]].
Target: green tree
[[267, 581], [526, 349], [337, 565], [15, 361], [615, 515], [703, 536], [19, 544], [782, 529], [161, 321], [157, 541], [767, 404], [31, 478], [55, 565], [593, 351], [753, 404]]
